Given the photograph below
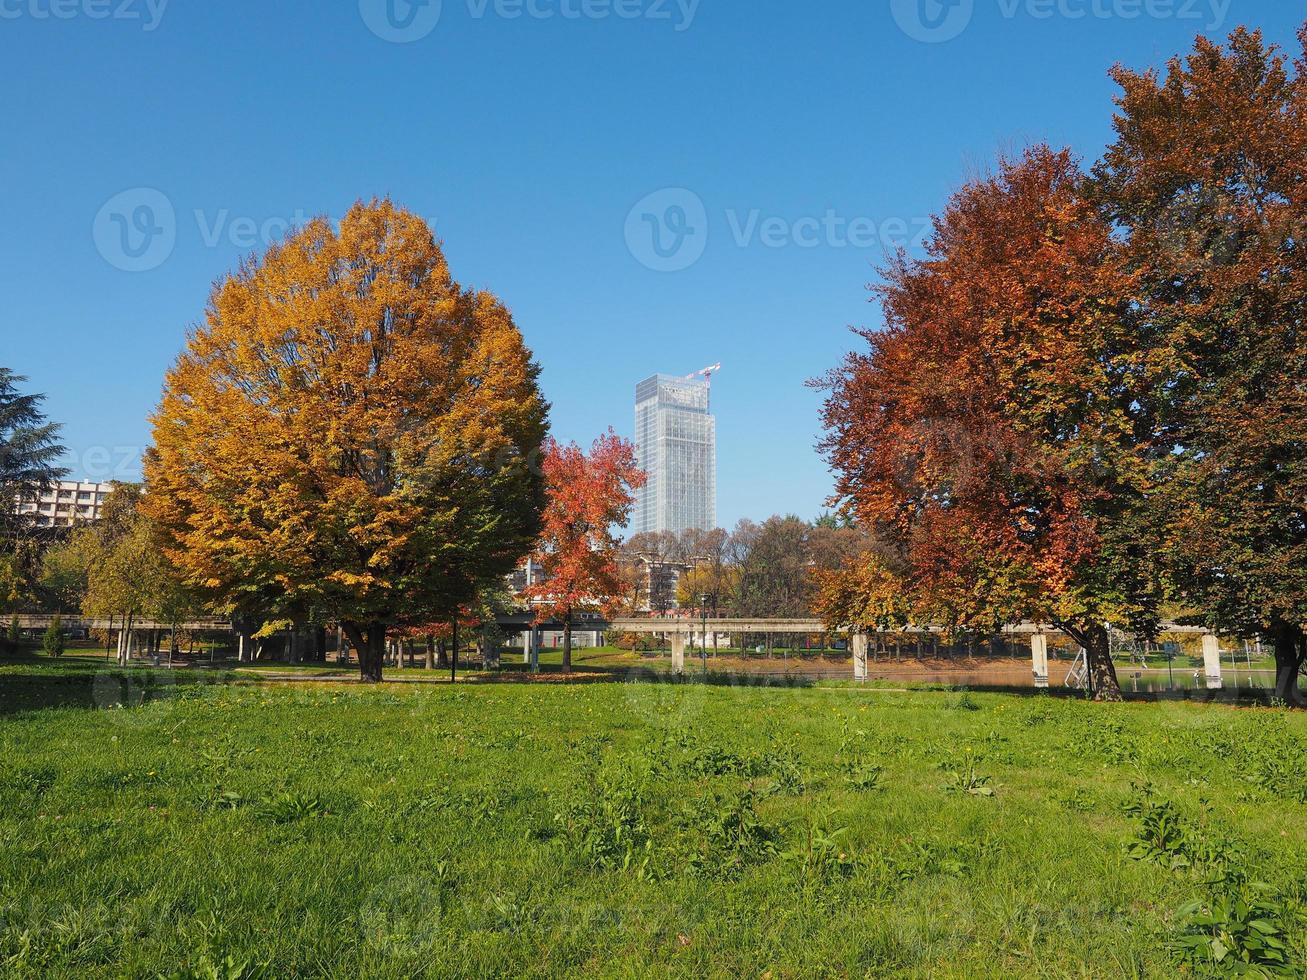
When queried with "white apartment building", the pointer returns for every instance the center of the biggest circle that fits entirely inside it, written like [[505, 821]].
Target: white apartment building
[[67, 503]]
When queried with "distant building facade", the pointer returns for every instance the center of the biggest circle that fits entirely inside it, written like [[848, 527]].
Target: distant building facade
[[676, 445], [66, 503]]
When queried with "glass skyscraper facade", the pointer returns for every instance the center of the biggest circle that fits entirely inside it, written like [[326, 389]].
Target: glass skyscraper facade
[[676, 445]]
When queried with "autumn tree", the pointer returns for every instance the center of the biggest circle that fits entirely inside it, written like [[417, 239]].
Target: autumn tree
[[773, 573], [115, 569], [989, 436], [1205, 182], [657, 560], [350, 431], [589, 497]]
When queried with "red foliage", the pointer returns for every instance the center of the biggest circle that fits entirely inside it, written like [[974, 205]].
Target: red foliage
[[588, 496]]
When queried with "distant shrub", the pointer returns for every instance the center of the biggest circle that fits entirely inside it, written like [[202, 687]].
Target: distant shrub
[[53, 641], [12, 639]]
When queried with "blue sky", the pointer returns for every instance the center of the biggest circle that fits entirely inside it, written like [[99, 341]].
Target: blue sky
[[775, 148]]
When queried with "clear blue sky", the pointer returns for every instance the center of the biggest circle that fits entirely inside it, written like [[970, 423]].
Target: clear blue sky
[[528, 140]]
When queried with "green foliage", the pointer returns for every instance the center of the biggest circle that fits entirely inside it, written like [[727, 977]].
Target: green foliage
[[227, 968], [731, 835], [1163, 836], [53, 640], [13, 638], [606, 825], [965, 776], [821, 853], [29, 449], [293, 807], [1241, 933]]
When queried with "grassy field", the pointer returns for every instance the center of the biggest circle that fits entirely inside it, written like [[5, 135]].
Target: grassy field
[[153, 824]]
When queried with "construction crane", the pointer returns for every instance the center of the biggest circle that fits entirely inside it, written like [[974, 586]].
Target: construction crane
[[706, 373]]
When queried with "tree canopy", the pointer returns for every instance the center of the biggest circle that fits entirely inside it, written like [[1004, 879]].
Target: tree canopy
[[989, 434], [29, 448], [349, 430], [590, 495], [1089, 398], [1205, 183]]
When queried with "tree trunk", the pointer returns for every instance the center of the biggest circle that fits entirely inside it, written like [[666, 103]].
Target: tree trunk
[[453, 659], [1288, 642], [431, 652], [1103, 683], [567, 642], [371, 647]]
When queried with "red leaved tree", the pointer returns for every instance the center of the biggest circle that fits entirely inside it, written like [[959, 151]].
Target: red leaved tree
[[588, 497], [989, 435]]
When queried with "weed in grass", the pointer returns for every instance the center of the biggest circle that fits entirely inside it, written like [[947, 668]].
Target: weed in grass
[[605, 826], [1275, 764], [784, 767], [1078, 800], [227, 968], [820, 853], [292, 807], [965, 777], [863, 776], [507, 913], [26, 784], [403, 916], [1179, 844], [1162, 837], [728, 835], [1105, 735], [963, 702], [1243, 932]]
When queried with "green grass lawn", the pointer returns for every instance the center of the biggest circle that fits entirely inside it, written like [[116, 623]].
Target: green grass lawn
[[153, 825]]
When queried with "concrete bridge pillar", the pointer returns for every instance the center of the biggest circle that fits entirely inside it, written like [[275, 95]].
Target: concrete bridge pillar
[[678, 653], [1212, 661], [1039, 659], [858, 644]]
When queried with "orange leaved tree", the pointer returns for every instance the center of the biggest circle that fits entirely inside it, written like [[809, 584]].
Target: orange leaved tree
[[990, 438], [349, 433], [589, 496]]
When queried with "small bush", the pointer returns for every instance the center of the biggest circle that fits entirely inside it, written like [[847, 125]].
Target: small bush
[[53, 641], [13, 638]]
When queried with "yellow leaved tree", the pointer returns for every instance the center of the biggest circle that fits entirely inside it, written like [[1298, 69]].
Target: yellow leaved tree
[[349, 434]]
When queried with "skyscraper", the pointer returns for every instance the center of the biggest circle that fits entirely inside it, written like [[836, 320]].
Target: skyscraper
[[676, 444]]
